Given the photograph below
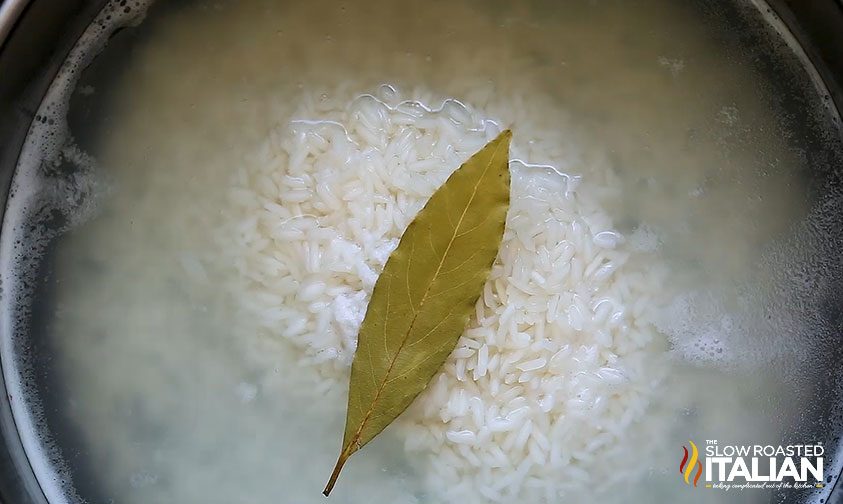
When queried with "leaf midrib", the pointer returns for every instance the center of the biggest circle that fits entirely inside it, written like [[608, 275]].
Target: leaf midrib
[[354, 439]]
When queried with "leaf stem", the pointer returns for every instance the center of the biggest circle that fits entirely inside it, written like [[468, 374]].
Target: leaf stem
[[334, 475]]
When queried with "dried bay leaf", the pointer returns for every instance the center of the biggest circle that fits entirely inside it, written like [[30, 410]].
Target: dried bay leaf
[[425, 295]]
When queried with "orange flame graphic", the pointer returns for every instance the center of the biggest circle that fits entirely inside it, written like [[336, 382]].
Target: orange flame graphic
[[693, 463]]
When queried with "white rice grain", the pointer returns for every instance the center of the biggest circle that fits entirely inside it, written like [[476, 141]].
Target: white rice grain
[[526, 407]]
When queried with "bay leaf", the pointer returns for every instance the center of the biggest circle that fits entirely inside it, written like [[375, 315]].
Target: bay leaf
[[425, 295]]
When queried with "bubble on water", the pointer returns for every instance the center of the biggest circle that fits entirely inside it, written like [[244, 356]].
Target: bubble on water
[[246, 392], [143, 479], [674, 65], [728, 115]]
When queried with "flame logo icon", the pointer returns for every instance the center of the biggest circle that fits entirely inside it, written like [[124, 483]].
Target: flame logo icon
[[686, 467]]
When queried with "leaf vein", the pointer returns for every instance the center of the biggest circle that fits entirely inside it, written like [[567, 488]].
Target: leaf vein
[[407, 275], [418, 364], [434, 328], [463, 263], [430, 242], [385, 325], [474, 228]]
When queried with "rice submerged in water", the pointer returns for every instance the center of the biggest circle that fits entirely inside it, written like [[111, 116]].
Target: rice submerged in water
[[677, 141], [561, 358]]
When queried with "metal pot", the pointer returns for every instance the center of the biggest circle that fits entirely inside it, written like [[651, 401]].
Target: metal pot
[[37, 35]]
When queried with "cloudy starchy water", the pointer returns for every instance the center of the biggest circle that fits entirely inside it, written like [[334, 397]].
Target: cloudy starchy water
[[225, 160]]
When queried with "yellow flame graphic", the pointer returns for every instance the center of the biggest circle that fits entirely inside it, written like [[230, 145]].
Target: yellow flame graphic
[[692, 462]]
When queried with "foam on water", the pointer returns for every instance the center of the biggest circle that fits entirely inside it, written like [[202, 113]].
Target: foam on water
[[778, 316], [749, 338], [44, 200]]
